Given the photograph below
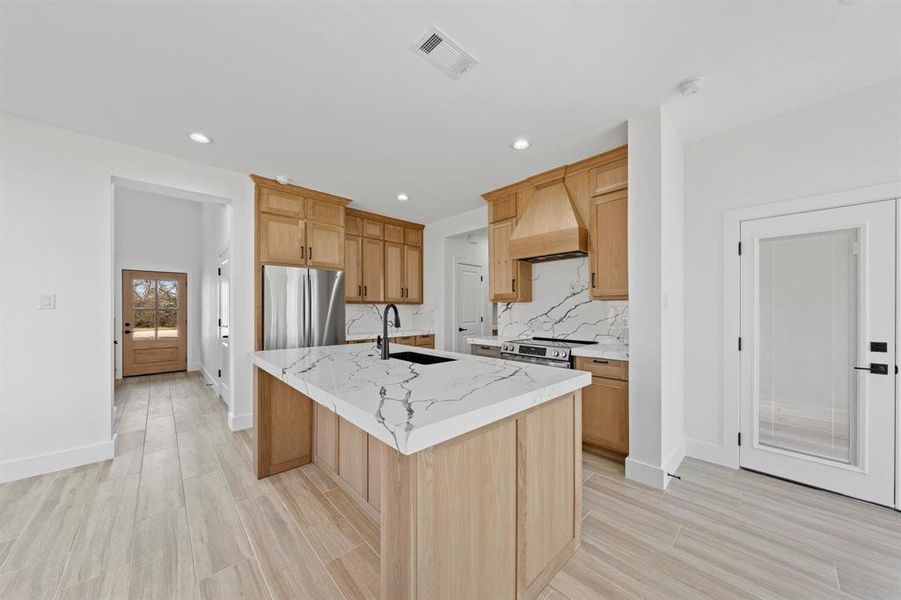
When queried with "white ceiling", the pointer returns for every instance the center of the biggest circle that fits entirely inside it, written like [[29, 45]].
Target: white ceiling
[[330, 95]]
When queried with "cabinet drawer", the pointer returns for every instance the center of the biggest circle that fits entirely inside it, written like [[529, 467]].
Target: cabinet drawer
[[409, 340], [601, 367], [425, 340], [482, 350]]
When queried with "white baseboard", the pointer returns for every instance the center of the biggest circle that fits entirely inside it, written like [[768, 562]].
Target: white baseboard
[[239, 422], [675, 458], [56, 461], [645, 473], [208, 377], [712, 453]]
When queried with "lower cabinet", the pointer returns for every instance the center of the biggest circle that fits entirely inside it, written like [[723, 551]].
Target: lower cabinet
[[605, 406], [483, 350]]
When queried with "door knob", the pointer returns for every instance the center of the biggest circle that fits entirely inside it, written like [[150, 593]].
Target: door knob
[[874, 368], [461, 329], [127, 331]]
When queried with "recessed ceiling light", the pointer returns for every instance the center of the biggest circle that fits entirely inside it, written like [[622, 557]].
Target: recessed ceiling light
[[691, 86], [521, 144], [281, 179], [403, 197], [200, 138]]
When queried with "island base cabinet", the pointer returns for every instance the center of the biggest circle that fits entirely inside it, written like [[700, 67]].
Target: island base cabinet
[[492, 514]]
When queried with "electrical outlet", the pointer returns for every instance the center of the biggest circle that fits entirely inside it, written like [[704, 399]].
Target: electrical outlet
[[47, 302]]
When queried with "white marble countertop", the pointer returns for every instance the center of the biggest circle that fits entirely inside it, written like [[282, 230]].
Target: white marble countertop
[[413, 407], [392, 333], [605, 351]]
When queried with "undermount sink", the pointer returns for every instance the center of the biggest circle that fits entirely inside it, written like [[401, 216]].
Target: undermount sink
[[421, 359]]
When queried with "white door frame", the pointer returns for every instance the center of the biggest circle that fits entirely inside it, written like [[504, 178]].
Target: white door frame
[[732, 303], [456, 285]]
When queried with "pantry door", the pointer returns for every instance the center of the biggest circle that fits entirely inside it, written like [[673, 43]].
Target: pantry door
[[154, 322], [818, 349]]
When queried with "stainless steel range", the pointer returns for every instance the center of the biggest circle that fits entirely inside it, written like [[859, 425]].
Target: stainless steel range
[[543, 351]]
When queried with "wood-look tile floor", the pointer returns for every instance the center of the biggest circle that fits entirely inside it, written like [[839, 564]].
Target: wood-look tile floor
[[179, 514]]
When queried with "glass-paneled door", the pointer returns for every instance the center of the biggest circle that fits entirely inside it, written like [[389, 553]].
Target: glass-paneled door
[[818, 348], [154, 322]]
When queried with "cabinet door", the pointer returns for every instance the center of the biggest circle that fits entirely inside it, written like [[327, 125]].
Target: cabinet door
[[279, 202], [413, 274], [353, 268], [353, 456], [353, 225], [394, 233], [609, 177], [394, 272], [325, 245], [373, 229], [605, 414], [509, 280], [501, 209], [412, 237], [282, 240], [373, 270], [323, 211], [609, 245]]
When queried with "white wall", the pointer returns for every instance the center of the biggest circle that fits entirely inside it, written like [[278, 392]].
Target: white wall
[[435, 259], [656, 443], [56, 236], [848, 142], [157, 233]]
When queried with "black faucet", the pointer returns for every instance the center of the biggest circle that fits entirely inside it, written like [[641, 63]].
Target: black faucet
[[382, 341]]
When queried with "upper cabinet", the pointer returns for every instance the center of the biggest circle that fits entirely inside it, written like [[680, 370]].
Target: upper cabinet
[[300, 227], [508, 280], [390, 260], [595, 197]]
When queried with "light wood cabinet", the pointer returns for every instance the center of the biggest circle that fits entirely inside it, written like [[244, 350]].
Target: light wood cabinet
[[282, 240], [353, 225], [605, 406], [326, 437], [373, 270], [297, 226], [353, 268], [609, 245], [394, 272], [373, 475], [509, 280], [391, 259], [502, 208]]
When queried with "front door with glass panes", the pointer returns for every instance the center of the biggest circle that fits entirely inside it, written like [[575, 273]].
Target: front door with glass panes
[[818, 348], [154, 322]]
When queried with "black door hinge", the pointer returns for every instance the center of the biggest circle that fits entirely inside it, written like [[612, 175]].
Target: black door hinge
[[219, 272], [481, 278], [220, 322], [481, 319], [739, 344], [220, 372], [739, 248], [739, 438]]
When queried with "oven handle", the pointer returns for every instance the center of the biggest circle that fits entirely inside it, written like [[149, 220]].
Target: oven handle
[[560, 364]]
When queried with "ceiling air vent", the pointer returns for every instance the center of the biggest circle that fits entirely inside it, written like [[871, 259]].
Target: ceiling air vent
[[444, 53]]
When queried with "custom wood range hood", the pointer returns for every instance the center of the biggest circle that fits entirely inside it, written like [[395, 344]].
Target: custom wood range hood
[[549, 228]]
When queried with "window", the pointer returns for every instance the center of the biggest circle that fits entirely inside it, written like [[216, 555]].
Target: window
[[155, 309]]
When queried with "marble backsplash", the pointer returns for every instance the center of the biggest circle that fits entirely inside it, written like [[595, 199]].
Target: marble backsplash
[[367, 318], [560, 307]]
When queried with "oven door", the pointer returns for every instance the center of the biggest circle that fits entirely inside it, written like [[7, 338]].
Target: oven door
[[534, 360]]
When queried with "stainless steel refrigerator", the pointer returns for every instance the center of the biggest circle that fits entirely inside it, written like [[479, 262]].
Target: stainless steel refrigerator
[[302, 307]]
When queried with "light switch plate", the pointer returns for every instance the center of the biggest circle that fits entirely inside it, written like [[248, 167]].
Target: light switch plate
[[47, 302]]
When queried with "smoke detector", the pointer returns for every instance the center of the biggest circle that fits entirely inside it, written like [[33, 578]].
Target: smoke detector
[[692, 86], [444, 53]]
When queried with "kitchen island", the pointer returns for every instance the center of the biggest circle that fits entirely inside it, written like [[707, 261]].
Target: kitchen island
[[472, 467]]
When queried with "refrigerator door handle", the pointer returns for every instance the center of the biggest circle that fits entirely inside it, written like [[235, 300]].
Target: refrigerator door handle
[[307, 311]]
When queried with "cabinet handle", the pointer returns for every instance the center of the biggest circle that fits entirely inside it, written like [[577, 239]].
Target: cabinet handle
[[593, 280], [310, 252], [303, 251], [601, 362], [365, 293], [359, 290], [514, 284]]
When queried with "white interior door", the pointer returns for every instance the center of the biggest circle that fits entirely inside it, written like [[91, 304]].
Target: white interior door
[[467, 304], [224, 339], [817, 312]]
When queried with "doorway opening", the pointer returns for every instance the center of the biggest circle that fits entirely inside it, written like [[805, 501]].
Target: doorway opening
[[470, 312], [154, 322]]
